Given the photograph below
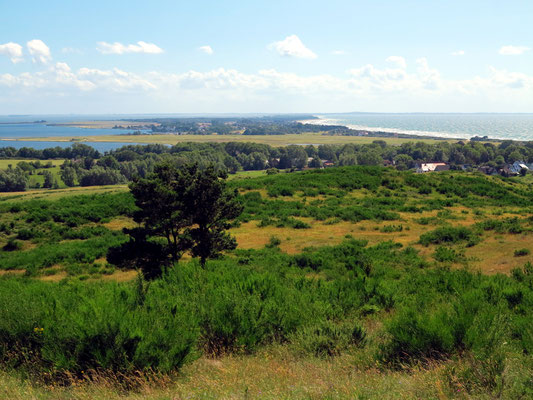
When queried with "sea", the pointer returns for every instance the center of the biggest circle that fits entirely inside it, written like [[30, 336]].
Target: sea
[[463, 126], [14, 127], [460, 126]]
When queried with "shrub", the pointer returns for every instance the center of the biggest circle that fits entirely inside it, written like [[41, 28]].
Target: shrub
[[26, 234], [522, 252], [392, 228], [449, 235], [446, 254], [12, 245], [273, 242], [327, 339]]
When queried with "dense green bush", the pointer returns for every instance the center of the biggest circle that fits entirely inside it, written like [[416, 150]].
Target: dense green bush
[[326, 339], [447, 254], [522, 252], [256, 297], [449, 235]]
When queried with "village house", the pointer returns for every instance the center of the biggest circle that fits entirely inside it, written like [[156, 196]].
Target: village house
[[431, 167], [517, 166]]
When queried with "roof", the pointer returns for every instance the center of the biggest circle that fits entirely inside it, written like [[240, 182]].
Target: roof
[[429, 167]]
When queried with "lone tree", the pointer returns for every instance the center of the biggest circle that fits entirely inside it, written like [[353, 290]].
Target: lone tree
[[179, 209]]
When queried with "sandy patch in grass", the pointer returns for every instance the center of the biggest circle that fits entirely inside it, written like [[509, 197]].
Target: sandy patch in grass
[[117, 224], [250, 236], [495, 254], [4, 272], [54, 278], [120, 276]]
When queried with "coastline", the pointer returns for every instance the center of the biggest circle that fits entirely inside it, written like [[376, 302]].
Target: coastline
[[361, 130], [372, 131]]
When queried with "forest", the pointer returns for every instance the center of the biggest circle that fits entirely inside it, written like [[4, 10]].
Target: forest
[[85, 166]]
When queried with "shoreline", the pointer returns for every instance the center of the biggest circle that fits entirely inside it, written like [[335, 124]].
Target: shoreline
[[359, 130]]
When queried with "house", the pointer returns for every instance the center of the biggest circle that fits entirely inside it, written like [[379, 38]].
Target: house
[[327, 163], [517, 166], [432, 167]]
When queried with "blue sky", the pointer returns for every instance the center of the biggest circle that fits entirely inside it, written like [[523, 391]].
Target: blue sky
[[265, 56]]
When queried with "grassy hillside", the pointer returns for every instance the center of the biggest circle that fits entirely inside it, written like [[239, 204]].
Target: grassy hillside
[[312, 208], [360, 282]]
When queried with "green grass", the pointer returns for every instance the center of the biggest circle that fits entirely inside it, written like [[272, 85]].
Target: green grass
[[246, 174], [4, 163]]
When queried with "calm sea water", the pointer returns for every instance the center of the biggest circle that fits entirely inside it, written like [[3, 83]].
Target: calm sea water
[[496, 126], [20, 126], [102, 147]]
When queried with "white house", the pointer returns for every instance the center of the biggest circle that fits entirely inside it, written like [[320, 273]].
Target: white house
[[517, 166], [431, 167]]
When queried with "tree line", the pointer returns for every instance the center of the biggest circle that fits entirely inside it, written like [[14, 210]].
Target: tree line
[[86, 166]]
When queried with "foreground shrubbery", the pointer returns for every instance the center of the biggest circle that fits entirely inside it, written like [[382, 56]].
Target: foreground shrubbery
[[260, 297], [385, 301]]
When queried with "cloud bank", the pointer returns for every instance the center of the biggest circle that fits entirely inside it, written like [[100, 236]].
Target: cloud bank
[[399, 87]]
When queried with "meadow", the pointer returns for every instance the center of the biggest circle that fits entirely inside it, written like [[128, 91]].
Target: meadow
[[348, 282], [273, 140]]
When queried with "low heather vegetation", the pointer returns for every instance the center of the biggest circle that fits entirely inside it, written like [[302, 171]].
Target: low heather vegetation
[[392, 305]]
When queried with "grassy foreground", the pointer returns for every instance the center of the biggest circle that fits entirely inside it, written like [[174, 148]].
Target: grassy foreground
[[351, 282], [271, 374]]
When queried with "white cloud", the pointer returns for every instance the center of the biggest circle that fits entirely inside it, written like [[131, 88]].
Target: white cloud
[[60, 77], [339, 52], [513, 50], [206, 49], [399, 61], [39, 51], [228, 90], [292, 46], [458, 53], [119, 48], [12, 50]]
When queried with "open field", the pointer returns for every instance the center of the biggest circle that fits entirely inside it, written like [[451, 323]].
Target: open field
[[5, 163], [273, 140], [47, 194]]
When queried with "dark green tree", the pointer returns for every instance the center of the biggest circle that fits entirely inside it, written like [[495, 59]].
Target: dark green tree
[[13, 180], [68, 175], [179, 209], [48, 179]]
